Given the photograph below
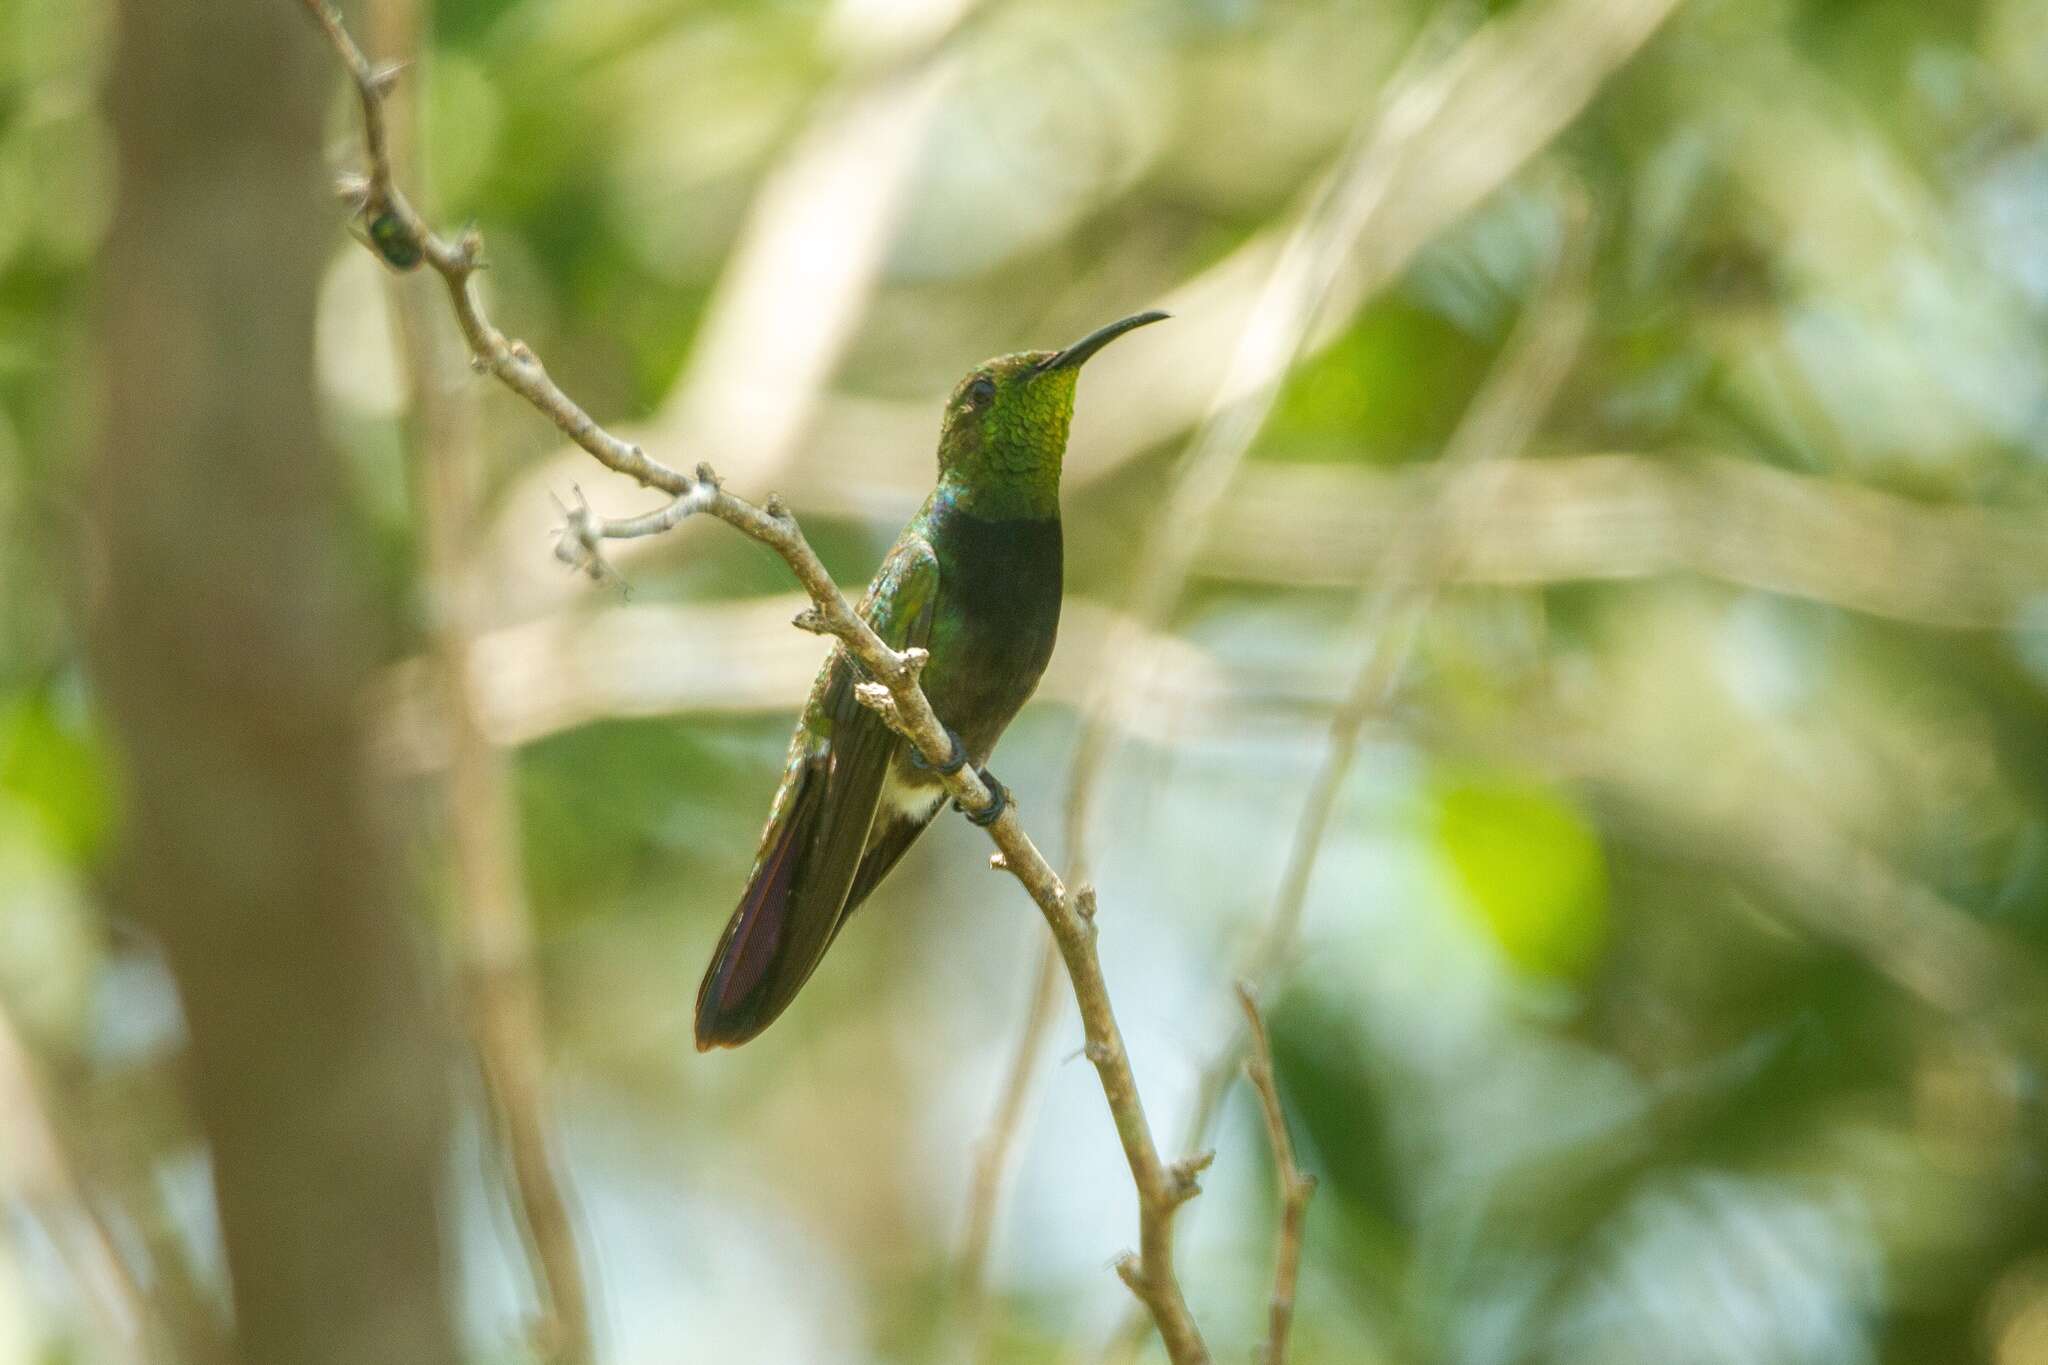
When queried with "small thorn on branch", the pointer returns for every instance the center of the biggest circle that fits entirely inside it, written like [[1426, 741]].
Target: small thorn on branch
[[1185, 1176], [579, 540], [384, 79], [997, 862], [812, 620], [1129, 1271], [877, 698]]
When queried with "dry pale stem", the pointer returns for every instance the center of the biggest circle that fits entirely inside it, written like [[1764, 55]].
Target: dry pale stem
[[1296, 1189], [893, 689]]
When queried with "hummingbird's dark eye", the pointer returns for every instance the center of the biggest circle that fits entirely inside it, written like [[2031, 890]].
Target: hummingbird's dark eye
[[981, 391]]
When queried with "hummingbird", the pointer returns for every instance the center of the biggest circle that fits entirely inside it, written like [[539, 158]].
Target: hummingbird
[[975, 579]]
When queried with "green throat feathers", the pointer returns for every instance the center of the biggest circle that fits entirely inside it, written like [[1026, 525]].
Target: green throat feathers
[[1004, 436]]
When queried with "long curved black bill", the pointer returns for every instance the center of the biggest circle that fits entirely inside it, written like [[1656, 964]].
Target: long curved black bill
[[1077, 354]]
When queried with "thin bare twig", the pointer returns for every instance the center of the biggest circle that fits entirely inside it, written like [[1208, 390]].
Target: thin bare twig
[[894, 691], [1296, 1189], [493, 923]]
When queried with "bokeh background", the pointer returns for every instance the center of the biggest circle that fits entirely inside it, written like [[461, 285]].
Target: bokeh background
[[1602, 448]]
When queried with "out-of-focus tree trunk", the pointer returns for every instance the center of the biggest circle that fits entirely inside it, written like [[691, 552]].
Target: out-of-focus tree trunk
[[231, 651]]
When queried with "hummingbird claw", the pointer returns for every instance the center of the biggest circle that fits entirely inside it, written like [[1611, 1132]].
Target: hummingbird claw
[[953, 764], [998, 802]]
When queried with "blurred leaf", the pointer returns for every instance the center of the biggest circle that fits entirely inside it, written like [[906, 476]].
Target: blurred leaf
[[1390, 390], [1531, 867], [52, 763]]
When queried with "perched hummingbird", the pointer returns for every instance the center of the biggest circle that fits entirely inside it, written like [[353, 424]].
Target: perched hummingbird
[[974, 579]]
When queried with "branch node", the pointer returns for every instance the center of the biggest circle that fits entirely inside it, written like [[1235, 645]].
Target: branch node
[[1133, 1276], [776, 507], [708, 477], [912, 661], [877, 698], [1296, 1187], [469, 246], [1084, 901], [1184, 1176], [812, 620], [1102, 1054], [579, 540]]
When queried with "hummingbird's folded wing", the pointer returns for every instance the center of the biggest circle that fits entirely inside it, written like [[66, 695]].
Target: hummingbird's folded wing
[[819, 825]]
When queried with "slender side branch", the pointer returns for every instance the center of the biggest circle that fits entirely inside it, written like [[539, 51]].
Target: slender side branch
[[893, 689], [1296, 1189]]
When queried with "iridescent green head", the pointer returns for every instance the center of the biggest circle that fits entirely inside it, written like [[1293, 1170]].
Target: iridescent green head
[[1006, 427]]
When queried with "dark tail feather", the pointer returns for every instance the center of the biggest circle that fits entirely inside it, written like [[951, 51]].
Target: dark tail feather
[[748, 982], [792, 907], [810, 852]]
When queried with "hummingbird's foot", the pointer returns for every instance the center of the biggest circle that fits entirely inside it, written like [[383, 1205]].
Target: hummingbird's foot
[[998, 801], [952, 765]]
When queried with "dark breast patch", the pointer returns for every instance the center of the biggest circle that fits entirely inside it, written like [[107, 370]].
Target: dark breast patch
[[998, 613]]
